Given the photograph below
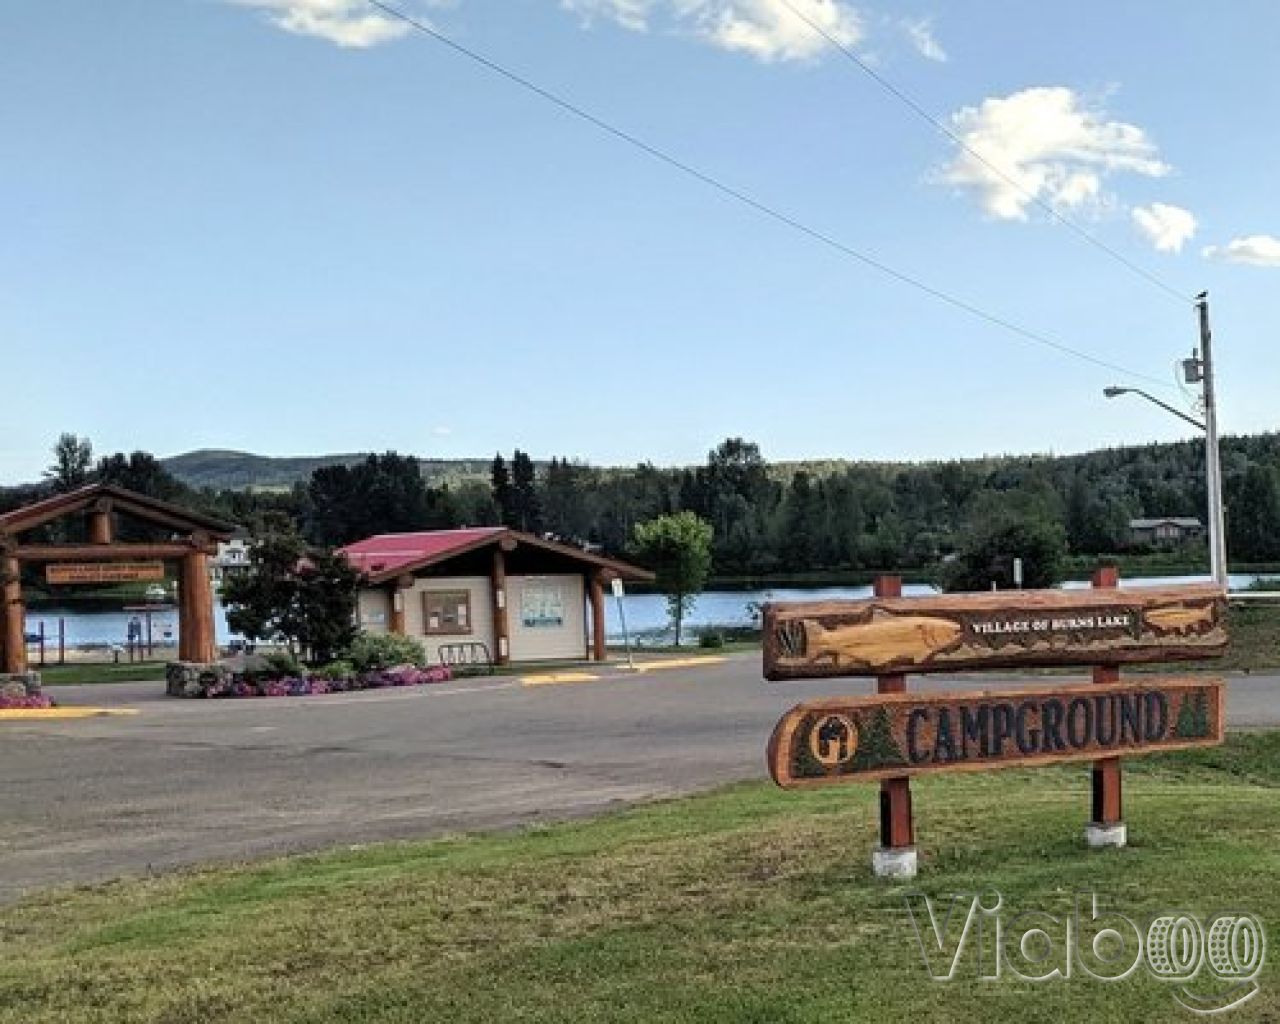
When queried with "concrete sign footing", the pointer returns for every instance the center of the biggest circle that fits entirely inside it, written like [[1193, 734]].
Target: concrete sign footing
[[898, 862], [1102, 836]]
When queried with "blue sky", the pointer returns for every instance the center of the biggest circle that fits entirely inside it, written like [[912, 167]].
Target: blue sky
[[291, 227]]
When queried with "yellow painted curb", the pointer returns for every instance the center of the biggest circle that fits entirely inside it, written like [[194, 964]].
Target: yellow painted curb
[[653, 666], [18, 714], [559, 677]]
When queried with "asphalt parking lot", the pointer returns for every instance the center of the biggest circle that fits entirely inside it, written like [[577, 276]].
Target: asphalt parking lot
[[184, 782]]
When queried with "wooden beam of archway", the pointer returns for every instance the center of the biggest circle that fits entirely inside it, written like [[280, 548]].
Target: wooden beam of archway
[[13, 636], [110, 552]]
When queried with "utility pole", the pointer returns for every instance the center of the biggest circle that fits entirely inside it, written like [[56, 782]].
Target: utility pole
[[1203, 371]]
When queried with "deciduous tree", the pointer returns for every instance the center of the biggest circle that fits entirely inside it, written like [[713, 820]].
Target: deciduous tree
[[678, 549]]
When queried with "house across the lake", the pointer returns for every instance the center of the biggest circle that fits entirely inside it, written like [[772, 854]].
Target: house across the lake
[[524, 598], [1165, 532]]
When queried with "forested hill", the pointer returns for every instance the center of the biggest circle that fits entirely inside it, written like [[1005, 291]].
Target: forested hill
[[767, 519], [220, 469]]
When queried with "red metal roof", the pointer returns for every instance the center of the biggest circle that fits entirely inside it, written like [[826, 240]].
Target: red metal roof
[[388, 552], [389, 555]]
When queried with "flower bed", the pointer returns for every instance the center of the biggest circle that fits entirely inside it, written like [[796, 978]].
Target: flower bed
[[38, 700], [209, 681], [22, 691]]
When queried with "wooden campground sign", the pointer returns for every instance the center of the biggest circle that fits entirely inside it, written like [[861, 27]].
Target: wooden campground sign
[[1013, 629], [104, 572], [893, 735]]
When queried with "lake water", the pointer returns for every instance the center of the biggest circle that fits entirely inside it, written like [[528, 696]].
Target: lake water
[[646, 614]]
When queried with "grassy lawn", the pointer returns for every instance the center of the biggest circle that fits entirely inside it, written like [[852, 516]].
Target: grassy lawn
[[1255, 638], [54, 675], [744, 905]]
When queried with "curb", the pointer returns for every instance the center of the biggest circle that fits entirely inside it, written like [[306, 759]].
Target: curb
[[36, 714]]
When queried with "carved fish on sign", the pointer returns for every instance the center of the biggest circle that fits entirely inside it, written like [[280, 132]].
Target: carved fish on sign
[[1181, 618], [880, 642]]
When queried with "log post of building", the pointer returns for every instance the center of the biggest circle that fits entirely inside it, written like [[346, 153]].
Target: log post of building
[[896, 856], [1106, 822], [595, 585], [100, 531], [13, 638], [501, 623], [399, 600], [196, 641]]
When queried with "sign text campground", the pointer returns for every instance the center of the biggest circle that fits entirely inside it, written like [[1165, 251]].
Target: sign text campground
[[896, 735]]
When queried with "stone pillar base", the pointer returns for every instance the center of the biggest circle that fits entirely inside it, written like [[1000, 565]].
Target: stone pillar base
[[20, 684], [895, 862], [1102, 836]]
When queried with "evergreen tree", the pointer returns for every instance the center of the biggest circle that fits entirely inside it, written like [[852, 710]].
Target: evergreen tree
[[876, 746], [306, 598], [324, 605], [1201, 714], [503, 496], [526, 506], [1185, 727], [1255, 515]]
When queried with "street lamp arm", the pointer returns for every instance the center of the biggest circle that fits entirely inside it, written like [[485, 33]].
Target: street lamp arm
[[1114, 392]]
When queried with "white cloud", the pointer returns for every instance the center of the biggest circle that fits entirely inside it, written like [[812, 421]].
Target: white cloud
[[766, 29], [348, 23], [1250, 251], [632, 14], [1166, 227], [1050, 144], [922, 38], [770, 30], [441, 431]]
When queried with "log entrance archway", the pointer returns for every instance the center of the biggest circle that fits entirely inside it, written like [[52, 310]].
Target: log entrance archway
[[189, 539]]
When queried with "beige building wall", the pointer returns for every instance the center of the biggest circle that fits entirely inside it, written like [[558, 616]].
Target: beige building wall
[[481, 626], [373, 610], [533, 603]]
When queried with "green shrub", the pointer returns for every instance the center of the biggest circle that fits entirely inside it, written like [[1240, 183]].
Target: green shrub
[[336, 670], [711, 639], [284, 665], [372, 651]]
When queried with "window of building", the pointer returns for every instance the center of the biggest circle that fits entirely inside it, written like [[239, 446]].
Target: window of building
[[447, 612]]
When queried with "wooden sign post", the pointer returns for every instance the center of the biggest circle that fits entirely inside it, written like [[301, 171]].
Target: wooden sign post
[[895, 735], [897, 855], [1106, 825]]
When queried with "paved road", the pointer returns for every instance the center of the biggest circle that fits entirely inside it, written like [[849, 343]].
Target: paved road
[[192, 781]]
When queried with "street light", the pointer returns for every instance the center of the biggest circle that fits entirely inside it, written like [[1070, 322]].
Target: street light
[[1114, 392], [1200, 371]]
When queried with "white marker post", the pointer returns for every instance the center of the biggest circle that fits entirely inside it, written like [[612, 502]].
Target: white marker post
[[1017, 573], [619, 593]]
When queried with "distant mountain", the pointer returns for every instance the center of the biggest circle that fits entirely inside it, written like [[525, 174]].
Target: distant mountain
[[218, 469]]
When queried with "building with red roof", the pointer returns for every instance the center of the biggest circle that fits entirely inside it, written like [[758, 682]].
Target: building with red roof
[[510, 595]]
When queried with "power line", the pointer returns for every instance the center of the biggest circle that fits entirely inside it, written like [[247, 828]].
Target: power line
[[941, 126], [749, 201]]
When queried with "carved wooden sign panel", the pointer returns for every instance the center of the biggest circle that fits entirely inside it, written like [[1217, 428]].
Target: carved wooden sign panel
[[104, 572], [851, 739], [1010, 629]]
